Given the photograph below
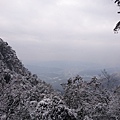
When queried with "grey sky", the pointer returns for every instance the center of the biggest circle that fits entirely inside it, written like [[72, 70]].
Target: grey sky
[[74, 30]]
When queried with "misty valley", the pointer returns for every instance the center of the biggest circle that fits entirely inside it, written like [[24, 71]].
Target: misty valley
[[56, 73]]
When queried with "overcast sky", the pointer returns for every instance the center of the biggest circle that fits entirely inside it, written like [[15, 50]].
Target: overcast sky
[[64, 30]]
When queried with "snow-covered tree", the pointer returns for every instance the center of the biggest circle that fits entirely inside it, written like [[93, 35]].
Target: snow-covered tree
[[87, 98], [117, 27]]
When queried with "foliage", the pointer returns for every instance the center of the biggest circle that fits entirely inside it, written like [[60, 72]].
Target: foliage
[[90, 99], [117, 27], [117, 2]]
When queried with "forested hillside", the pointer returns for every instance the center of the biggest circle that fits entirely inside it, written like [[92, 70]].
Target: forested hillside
[[23, 96]]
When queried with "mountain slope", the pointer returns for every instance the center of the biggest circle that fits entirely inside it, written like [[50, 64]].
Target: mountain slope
[[23, 96]]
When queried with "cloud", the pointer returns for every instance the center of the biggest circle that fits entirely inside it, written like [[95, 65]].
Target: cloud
[[61, 29]]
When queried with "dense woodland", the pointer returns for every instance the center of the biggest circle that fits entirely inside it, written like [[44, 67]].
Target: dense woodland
[[23, 96]]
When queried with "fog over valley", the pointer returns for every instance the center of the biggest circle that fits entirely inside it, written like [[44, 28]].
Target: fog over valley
[[57, 72]]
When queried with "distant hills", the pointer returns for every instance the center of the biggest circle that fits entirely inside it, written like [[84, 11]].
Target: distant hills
[[55, 74]]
